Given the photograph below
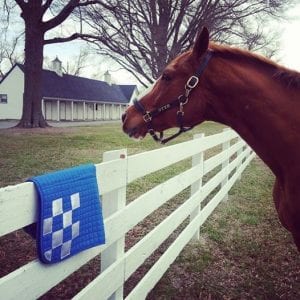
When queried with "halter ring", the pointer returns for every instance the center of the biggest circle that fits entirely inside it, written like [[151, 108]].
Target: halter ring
[[147, 117], [186, 99]]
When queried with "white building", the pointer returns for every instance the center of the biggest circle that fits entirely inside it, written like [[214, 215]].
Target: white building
[[66, 97]]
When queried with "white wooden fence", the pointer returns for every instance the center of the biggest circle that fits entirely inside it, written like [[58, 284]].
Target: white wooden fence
[[18, 209]]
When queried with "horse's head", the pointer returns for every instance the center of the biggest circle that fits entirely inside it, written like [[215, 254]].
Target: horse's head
[[171, 101]]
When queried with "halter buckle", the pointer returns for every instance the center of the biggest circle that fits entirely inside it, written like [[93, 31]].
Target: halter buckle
[[192, 82], [147, 117]]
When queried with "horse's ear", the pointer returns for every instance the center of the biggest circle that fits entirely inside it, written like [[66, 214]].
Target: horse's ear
[[201, 43]]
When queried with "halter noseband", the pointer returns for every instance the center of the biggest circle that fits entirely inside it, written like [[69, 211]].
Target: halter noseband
[[180, 101]]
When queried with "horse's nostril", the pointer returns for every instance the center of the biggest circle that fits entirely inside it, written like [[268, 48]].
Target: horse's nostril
[[123, 117]]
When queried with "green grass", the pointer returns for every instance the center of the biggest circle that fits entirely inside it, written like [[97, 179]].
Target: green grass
[[26, 153]]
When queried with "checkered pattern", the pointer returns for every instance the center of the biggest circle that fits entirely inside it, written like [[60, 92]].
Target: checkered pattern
[[61, 239], [70, 216]]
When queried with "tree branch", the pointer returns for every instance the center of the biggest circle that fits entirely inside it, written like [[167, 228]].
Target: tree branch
[[68, 9], [72, 37], [62, 16], [46, 5], [22, 4], [86, 3]]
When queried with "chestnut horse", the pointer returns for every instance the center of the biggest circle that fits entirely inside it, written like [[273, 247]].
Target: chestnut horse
[[253, 95]]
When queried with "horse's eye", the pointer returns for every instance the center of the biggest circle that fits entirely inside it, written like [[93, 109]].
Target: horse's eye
[[165, 77]]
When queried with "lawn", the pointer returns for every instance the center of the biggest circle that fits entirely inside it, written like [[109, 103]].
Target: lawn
[[27, 153], [243, 252]]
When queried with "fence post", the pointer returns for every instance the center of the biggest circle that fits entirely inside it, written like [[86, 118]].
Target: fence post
[[111, 203], [225, 164], [197, 159]]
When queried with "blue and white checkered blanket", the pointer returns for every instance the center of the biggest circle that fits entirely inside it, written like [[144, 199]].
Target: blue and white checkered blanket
[[70, 216]]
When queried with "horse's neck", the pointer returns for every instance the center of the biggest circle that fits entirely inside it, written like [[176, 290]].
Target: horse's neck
[[263, 112]]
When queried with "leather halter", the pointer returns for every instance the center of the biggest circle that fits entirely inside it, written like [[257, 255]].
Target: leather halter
[[179, 102]]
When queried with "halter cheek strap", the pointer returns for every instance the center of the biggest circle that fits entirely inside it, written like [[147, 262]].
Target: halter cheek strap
[[179, 102]]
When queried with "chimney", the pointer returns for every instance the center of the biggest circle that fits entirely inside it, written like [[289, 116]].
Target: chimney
[[56, 66], [107, 77]]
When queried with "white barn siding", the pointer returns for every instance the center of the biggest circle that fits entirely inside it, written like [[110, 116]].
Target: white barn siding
[[69, 111], [75, 110], [89, 111], [111, 111], [48, 110], [12, 86], [79, 111], [102, 110], [62, 110], [116, 111], [98, 111], [54, 110], [107, 111]]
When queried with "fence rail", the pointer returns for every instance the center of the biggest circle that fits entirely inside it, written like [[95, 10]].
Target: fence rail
[[18, 209]]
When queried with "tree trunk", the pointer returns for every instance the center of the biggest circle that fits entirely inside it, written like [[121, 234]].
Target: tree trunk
[[32, 98]]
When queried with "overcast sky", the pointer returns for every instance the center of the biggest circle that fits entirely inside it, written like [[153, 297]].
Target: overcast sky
[[290, 41]]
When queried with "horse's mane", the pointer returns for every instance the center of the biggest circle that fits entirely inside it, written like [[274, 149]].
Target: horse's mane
[[288, 77]]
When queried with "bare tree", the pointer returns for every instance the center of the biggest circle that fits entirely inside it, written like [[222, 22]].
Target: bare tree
[[10, 42], [34, 14], [78, 63], [8, 54], [143, 36], [10, 51]]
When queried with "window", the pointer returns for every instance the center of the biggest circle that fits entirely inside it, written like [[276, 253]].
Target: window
[[3, 98]]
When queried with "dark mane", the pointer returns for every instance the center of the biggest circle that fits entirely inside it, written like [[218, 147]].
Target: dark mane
[[288, 77]]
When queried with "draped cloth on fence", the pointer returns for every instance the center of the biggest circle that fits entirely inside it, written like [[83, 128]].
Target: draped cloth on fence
[[70, 216]]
